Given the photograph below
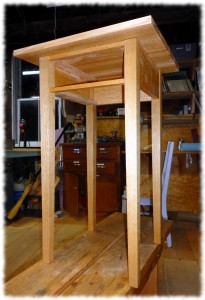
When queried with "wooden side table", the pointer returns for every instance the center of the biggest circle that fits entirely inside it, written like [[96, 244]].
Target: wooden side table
[[121, 63]]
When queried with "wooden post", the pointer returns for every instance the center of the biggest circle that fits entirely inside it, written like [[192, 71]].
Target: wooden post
[[91, 164], [132, 131], [157, 163], [47, 114]]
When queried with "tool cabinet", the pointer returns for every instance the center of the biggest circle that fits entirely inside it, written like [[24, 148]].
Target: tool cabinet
[[109, 177]]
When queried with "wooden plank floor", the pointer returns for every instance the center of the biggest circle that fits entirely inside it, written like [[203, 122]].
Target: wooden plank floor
[[179, 267], [23, 248]]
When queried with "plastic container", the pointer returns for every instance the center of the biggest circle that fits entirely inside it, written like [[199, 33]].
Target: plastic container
[[18, 191], [190, 147], [124, 202]]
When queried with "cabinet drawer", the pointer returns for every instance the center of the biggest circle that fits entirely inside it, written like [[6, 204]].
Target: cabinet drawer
[[75, 165], [106, 152], [74, 152], [106, 167], [107, 193]]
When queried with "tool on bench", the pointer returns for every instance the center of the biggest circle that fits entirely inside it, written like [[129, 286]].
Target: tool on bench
[[14, 210]]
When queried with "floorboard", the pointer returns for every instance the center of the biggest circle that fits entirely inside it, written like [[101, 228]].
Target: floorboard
[[179, 267], [182, 277]]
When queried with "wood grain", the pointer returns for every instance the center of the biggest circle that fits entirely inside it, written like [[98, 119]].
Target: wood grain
[[70, 261], [24, 236], [182, 277], [47, 109], [109, 275], [132, 125], [91, 164], [156, 106], [155, 55], [149, 80], [86, 85], [77, 270], [143, 28]]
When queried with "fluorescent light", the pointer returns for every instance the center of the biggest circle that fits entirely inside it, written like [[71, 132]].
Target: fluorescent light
[[30, 72]]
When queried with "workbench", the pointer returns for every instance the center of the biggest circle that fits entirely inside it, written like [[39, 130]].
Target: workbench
[[121, 63], [78, 271], [23, 152], [109, 176]]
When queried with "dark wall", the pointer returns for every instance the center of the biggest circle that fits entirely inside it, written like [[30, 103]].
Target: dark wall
[[31, 24]]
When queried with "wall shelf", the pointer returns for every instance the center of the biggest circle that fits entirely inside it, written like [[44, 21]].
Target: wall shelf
[[166, 119], [180, 95]]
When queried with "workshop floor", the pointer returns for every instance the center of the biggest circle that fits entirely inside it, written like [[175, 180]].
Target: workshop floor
[[179, 266]]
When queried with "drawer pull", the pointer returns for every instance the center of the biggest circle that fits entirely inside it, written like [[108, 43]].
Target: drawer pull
[[103, 151], [101, 166], [76, 150], [76, 163]]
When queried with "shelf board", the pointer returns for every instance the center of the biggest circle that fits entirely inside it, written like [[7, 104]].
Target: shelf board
[[109, 117], [166, 119], [175, 152], [180, 95], [22, 152], [188, 62], [180, 121]]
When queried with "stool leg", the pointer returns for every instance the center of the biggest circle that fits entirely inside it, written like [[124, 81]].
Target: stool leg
[[169, 241]]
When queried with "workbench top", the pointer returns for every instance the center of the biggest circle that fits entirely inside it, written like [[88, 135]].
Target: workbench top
[[22, 152], [77, 270]]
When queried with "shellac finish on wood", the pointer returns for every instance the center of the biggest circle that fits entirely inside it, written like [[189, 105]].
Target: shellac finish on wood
[[96, 59]]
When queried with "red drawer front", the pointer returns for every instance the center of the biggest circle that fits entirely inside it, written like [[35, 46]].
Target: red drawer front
[[80, 166], [106, 167], [80, 152], [106, 152], [75, 165], [74, 152]]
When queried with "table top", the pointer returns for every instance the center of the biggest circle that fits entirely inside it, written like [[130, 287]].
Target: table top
[[144, 29]]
